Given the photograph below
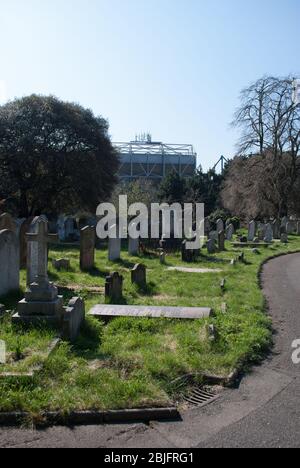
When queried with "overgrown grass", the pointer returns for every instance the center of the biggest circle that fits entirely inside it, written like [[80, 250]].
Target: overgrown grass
[[132, 362]]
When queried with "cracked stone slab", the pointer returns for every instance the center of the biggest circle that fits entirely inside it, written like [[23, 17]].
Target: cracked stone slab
[[195, 270]]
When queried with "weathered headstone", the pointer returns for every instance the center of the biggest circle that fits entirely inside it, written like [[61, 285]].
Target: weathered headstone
[[73, 319], [268, 234], [229, 232], [289, 228], [211, 246], [32, 248], [162, 258], [207, 226], [284, 238], [252, 231], [114, 287], [24, 228], [7, 222], [221, 241], [61, 264], [220, 225], [139, 275], [276, 229], [87, 248], [213, 235], [114, 245], [188, 255], [133, 246], [261, 231], [9, 262], [284, 221]]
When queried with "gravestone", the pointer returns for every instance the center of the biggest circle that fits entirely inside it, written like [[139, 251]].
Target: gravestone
[[211, 246], [114, 287], [73, 319], [220, 225], [221, 241], [23, 230], [229, 232], [7, 222], [284, 238], [9, 262], [261, 231], [213, 235], [41, 298], [162, 258], [61, 228], [289, 228], [61, 264], [268, 234], [87, 248], [139, 275], [188, 255], [284, 221], [114, 245], [276, 229], [133, 246], [207, 226], [252, 231]]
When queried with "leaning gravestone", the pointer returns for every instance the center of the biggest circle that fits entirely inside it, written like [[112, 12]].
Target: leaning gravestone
[[114, 287], [252, 231], [139, 275], [87, 248], [9, 262], [7, 222]]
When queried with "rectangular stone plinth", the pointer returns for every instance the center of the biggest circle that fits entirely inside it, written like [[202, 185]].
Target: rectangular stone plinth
[[41, 309], [35, 320], [108, 312]]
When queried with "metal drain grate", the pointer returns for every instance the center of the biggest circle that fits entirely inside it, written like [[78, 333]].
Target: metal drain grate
[[200, 397]]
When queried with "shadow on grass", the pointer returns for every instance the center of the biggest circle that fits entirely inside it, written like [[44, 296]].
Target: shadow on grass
[[125, 263], [10, 301], [97, 273], [150, 289]]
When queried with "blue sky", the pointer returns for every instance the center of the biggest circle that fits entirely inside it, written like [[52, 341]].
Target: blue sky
[[171, 67]]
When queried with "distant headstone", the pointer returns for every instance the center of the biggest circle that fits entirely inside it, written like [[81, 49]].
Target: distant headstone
[[289, 228], [114, 287], [32, 248], [221, 241], [139, 275], [7, 222], [276, 229], [73, 319], [188, 255], [61, 264], [207, 226], [284, 221], [24, 228], [252, 231], [230, 232], [114, 245], [9, 262], [211, 246], [284, 238], [220, 225], [213, 235], [162, 258], [261, 232], [87, 248], [133, 246], [268, 234]]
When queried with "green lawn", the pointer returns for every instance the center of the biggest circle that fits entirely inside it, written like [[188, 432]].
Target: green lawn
[[133, 362]]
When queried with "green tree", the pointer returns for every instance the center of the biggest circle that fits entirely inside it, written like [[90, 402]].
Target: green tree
[[173, 189], [54, 156], [205, 188]]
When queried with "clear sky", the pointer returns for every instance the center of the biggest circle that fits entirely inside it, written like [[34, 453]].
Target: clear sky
[[171, 67]]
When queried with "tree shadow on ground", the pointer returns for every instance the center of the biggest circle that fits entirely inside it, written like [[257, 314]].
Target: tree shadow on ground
[[125, 263], [97, 273], [150, 289]]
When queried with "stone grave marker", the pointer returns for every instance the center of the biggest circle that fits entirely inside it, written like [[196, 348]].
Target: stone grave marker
[[211, 246], [139, 275], [61, 264], [230, 232], [276, 229], [252, 231], [73, 319], [268, 234], [221, 241], [23, 230], [114, 245], [220, 225], [114, 287], [9, 262], [87, 248]]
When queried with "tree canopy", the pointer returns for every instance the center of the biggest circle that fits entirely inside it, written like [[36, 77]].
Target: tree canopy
[[54, 157]]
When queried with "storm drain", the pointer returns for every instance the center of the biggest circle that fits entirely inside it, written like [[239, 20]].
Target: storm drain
[[199, 397]]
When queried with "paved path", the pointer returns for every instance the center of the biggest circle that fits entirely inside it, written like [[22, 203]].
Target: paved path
[[263, 412]]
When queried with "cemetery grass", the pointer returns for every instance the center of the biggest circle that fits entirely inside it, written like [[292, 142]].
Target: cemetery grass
[[133, 363]]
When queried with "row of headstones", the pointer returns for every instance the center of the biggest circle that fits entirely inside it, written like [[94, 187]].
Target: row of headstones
[[277, 229]]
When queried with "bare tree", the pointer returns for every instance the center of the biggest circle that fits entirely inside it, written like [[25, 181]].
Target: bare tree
[[270, 127]]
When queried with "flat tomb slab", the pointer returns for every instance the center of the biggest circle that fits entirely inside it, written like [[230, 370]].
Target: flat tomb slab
[[194, 270], [108, 312], [251, 244]]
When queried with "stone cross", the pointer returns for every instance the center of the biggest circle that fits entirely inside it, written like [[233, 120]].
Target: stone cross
[[42, 237]]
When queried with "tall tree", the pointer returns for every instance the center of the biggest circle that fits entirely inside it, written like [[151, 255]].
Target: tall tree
[[54, 156], [269, 121]]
